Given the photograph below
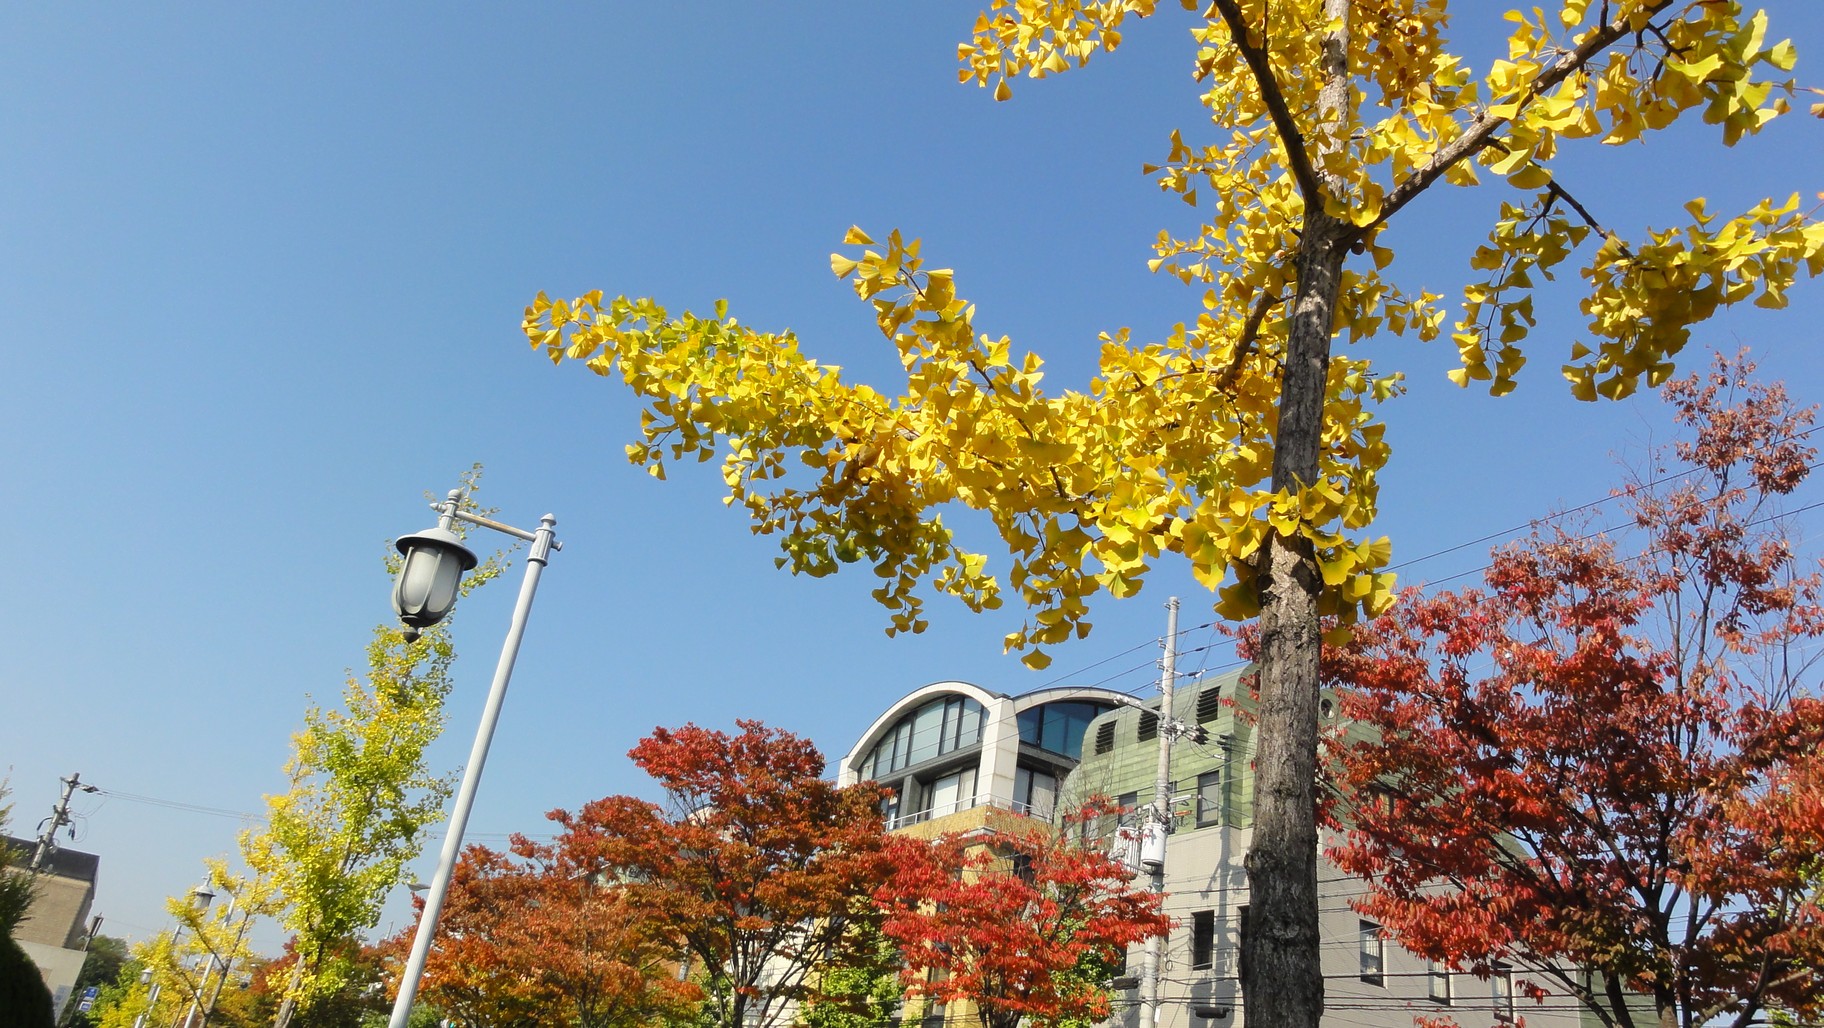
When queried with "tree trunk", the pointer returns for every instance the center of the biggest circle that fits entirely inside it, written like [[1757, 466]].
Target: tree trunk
[[1283, 985]]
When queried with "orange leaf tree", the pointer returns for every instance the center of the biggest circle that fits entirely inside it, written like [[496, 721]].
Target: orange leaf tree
[[761, 869], [547, 939], [1608, 762], [1024, 923]]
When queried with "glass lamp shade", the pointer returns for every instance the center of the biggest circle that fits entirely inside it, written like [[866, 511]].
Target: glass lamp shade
[[435, 561]]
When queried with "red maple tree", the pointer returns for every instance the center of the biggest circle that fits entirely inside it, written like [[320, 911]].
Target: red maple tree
[[1021, 921], [761, 869], [543, 937], [1604, 767]]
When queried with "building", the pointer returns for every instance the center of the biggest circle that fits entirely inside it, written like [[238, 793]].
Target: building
[[952, 747], [1056, 748], [55, 932]]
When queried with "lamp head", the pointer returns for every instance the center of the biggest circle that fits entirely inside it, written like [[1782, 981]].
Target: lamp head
[[200, 897], [435, 561]]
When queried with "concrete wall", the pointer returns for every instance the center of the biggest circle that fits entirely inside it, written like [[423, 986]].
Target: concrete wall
[[60, 912]]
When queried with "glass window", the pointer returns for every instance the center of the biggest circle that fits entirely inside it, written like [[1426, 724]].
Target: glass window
[[1209, 798], [1059, 727], [1503, 981], [1374, 953], [934, 729], [1034, 792], [1203, 939], [927, 731], [1439, 975], [951, 793]]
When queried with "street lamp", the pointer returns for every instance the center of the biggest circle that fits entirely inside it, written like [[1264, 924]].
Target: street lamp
[[435, 561], [199, 902]]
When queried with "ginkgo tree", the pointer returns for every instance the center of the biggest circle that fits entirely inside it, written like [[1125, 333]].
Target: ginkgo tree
[[361, 797], [1239, 442]]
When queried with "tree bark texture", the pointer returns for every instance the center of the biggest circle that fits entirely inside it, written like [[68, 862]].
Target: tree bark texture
[[1283, 984]]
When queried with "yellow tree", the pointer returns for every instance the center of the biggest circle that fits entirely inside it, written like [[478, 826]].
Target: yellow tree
[[1240, 442], [182, 973], [361, 798]]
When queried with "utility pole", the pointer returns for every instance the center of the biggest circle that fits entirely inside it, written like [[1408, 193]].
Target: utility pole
[[1159, 818], [60, 816]]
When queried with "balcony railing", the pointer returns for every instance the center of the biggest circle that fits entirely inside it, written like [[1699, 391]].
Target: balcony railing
[[1045, 811]]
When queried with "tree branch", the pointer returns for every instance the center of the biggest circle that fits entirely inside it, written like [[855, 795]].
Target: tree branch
[[1482, 133], [1249, 331], [1290, 138]]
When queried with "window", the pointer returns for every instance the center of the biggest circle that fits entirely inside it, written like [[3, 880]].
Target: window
[[1022, 867], [1503, 981], [934, 1007], [1108, 823], [951, 793], [1203, 939], [1105, 737], [1374, 953], [1439, 975], [1059, 727], [1209, 798], [1209, 705], [1149, 726], [938, 727], [1034, 792]]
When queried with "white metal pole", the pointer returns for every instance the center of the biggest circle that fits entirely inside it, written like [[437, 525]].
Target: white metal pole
[[152, 996], [151, 1001], [196, 997], [1160, 818], [227, 966], [471, 776]]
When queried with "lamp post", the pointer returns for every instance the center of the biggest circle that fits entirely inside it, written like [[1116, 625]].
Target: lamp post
[[435, 561], [227, 965], [199, 900]]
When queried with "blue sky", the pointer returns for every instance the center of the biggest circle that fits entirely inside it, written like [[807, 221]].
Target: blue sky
[[263, 269]]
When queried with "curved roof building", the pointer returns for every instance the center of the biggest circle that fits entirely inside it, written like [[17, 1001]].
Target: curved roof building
[[952, 747]]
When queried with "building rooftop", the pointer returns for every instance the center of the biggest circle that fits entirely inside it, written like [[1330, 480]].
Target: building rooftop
[[64, 863]]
